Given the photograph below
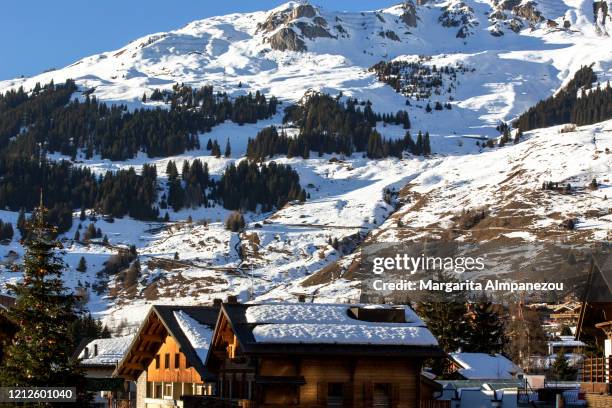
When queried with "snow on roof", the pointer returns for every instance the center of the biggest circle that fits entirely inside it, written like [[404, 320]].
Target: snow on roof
[[331, 323], [109, 351], [485, 366], [566, 341], [199, 335]]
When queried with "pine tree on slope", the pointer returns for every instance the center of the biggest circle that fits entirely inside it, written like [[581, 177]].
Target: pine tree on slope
[[40, 354]]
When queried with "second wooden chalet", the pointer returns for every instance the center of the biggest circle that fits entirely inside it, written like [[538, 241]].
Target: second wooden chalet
[[166, 358], [322, 355]]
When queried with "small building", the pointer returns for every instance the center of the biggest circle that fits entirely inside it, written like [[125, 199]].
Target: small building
[[99, 358], [566, 314], [166, 357], [483, 366], [322, 355], [566, 344]]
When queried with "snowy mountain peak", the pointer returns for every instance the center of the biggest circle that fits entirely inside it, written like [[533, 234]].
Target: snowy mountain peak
[[286, 27]]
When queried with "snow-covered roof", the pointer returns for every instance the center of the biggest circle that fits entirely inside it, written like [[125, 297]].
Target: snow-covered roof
[[566, 341], [334, 324], [483, 366], [198, 334], [105, 352]]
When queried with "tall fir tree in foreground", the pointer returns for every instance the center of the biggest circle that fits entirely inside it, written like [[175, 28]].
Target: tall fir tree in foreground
[[40, 354], [486, 333], [445, 315]]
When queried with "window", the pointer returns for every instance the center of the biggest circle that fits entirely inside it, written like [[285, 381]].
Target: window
[[335, 395], [157, 361], [177, 360], [95, 350], [168, 390], [167, 360]]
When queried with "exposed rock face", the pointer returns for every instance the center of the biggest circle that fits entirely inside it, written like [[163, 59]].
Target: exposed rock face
[[529, 12], [515, 25], [312, 31], [277, 19], [409, 16], [601, 15], [460, 15], [390, 35], [286, 39], [508, 4], [514, 15], [289, 34]]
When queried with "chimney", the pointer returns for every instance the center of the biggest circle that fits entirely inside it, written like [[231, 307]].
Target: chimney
[[302, 298], [232, 299], [217, 302]]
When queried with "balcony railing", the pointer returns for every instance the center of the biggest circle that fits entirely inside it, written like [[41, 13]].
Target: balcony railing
[[596, 370]]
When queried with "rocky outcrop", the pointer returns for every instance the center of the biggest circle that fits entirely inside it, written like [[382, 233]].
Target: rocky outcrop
[[459, 14], [286, 39], [507, 4], [514, 15], [528, 12], [312, 31], [601, 16], [289, 28], [279, 18], [515, 25], [390, 35], [409, 16]]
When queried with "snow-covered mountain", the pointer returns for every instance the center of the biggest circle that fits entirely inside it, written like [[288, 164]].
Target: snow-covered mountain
[[508, 55]]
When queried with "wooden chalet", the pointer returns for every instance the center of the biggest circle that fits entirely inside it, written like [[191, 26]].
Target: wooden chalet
[[595, 327], [322, 355], [98, 359], [166, 357]]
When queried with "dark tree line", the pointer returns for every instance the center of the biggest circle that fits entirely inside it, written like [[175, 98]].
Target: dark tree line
[[6, 230], [67, 187], [328, 125], [49, 116], [248, 185], [270, 142], [576, 103], [417, 80], [242, 187], [188, 190]]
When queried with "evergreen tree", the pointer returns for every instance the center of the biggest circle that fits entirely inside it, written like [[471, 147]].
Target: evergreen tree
[[426, 145], [40, 354], [419, 149], [517, 136], [82, 266], [486, 329], [21, 222], [86, 327], [228, 149], [445, 316], [561, 370]]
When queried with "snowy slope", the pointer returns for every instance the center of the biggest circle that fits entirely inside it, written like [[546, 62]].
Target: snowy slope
[[506, 74]]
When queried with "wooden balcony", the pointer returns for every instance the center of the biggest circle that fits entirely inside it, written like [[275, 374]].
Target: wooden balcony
[[595, 375]]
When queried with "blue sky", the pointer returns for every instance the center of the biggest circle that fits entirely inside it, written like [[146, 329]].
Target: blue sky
[[38, 35]]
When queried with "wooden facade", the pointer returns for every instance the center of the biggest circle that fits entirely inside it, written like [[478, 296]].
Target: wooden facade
[[595, 327], [163, 359], [288, 377]]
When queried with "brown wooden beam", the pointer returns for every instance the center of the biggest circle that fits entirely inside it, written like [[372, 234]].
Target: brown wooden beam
[[134, 366], [143, 353], [153, 338]]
